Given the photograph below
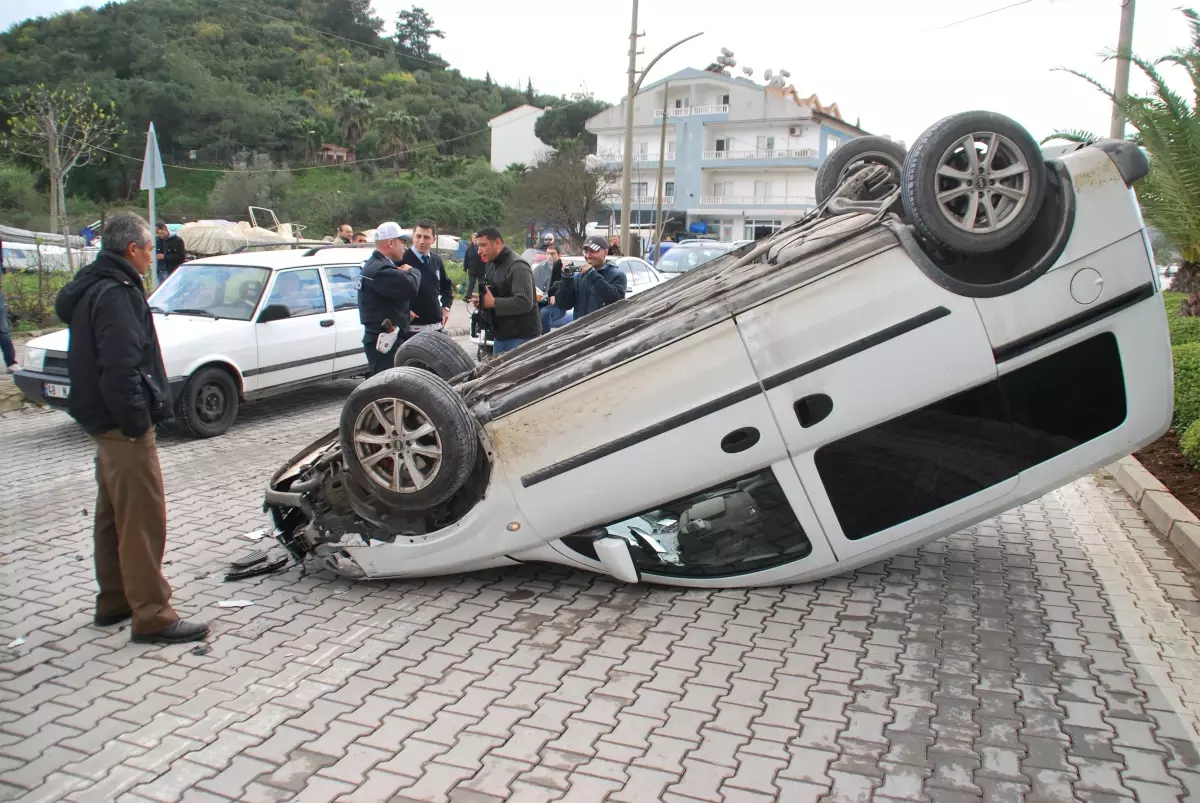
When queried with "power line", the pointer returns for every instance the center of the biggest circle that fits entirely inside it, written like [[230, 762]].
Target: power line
[[327, 33], [980, 16]]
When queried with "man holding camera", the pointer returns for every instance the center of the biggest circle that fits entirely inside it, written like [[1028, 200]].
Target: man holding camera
[[597, 284], [387, 289], [508, 292]]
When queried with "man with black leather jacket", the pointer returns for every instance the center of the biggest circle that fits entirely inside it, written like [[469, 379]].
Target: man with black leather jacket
[[508, 291], [119, 391], [386, 290]]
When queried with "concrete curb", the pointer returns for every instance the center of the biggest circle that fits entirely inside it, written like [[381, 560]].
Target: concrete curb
[[1168, 515]]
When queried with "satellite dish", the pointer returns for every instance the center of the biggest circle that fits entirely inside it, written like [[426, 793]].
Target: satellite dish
[[726, 51], [767, 73], [748, 71], [785, 73]]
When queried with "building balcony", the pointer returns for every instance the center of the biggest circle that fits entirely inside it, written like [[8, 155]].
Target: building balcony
[[615, 159], [773, 153], [693, 111], [758, 200], [647, 200]]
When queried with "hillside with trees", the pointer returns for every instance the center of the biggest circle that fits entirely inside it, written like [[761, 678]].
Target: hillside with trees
[[255, 88]]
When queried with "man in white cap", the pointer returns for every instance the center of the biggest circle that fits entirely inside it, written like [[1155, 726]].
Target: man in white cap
[[386, 290]]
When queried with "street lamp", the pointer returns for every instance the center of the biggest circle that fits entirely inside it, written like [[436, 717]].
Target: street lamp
[[634, 86]]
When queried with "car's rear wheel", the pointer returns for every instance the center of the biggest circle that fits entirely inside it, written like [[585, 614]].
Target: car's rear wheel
[[435, 352], [208, 403], [856, 154], [974, 182], [408, 438]]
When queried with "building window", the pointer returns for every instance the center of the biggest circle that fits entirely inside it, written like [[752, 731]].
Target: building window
[[720, 188], [643, 150], [722, 146], [831, 143], [669, 189], [671, 149], [724, 100], [757, 229], [764, 190], [638, 189], [766, 144]]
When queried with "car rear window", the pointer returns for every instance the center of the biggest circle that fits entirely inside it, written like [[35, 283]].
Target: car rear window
[[682, 258]]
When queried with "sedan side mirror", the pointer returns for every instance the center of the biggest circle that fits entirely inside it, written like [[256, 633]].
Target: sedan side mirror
[[274, 312]]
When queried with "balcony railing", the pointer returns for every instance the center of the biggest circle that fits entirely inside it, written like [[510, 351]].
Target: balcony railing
[[757, 200], [648, 200], [638, 158], [693, 110], [772, 153]]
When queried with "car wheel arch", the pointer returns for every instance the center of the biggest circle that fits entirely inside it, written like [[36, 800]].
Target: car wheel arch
[[226, 366]]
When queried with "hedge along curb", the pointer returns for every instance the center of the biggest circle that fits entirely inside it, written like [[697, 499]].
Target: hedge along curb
[[1167, 514]]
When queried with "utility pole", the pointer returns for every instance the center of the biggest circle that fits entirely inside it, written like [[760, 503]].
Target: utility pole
[[662, 159], [1121, 85], [627, 168]]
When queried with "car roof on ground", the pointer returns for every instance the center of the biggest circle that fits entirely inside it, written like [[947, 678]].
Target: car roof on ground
[[293, 258]]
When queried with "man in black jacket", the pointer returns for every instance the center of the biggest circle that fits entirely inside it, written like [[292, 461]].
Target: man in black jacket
[[118, 393], [171, 252], [436, 294], [386, 290], [508, 291]]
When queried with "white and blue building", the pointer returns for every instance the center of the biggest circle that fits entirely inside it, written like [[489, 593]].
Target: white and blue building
[[740, 159]]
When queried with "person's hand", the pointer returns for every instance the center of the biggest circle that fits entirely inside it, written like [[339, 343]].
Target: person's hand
[[162, 257], [488, 301], [445, 316], [551, 299], [474, 299], [412, 315]]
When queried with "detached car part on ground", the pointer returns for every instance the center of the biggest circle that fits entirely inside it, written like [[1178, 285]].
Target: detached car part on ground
[[870, 378]]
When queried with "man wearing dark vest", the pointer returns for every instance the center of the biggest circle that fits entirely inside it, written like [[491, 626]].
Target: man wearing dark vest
[[386, 290], [508, 291], [436, 294]]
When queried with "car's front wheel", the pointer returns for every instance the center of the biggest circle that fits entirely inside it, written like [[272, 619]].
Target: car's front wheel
[[408, 438], [853, 156], [208, 403], [974, 182]]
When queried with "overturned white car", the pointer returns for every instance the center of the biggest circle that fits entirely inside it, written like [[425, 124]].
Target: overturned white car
[[954, 331]]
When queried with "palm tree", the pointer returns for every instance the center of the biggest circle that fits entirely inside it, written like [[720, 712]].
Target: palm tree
[[397, 134], [353, 112], [1168, 128]]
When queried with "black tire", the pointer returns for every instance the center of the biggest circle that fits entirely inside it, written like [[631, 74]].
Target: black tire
[[941, 145], [854, 155], [208, 404], [426, 398], [435, 352]]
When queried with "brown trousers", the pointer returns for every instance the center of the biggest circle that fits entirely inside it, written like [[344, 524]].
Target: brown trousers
[[130, 532]]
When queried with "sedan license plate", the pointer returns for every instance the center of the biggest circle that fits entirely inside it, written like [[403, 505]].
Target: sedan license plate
[[54, 391]]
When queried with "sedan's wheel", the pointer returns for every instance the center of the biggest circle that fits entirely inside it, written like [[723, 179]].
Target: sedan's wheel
[[208, 404], [856, 154], [435, 352], [408, 438], [974, 182]]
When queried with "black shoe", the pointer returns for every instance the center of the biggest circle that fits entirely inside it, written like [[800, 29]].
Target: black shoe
[[175, 633], [111, 619]]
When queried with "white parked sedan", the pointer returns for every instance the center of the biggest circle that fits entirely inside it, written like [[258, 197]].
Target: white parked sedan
[[237, 327], [950, 334]]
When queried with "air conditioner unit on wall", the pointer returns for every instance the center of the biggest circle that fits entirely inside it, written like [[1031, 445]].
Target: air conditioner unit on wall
[[795, 130]]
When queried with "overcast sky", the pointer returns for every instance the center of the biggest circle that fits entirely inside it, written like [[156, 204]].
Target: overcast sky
[[889, 62]]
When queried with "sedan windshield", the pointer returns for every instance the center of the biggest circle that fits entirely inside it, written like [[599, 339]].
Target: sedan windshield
[[681, 258], [211, 291]]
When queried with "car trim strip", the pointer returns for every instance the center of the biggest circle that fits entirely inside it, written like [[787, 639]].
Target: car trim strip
[[1028, 343], [283, 366], [730, 399], [857, 347], [625, 441]]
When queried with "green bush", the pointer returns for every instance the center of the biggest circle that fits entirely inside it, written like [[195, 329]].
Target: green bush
[[1183, 330], [1189, 445], [1187, 384]]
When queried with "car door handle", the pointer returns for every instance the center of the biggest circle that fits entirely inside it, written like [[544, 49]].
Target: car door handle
[[813, 409], [327, 322]]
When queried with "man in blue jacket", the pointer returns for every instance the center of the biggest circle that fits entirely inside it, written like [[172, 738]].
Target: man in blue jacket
[[597, 284]]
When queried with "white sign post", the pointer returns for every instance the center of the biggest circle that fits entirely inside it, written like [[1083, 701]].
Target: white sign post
[[152, 177]]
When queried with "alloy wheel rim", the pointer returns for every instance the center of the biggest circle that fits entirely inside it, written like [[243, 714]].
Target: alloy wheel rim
[[982, 182], [397, 445]]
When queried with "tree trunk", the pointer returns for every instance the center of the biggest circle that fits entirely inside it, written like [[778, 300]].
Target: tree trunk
[[66, 223], [1187, 280]]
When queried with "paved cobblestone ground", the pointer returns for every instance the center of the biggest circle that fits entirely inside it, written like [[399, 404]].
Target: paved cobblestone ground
[[1048, 655]]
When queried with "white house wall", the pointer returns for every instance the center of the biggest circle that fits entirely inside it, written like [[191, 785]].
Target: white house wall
[[514, 140]]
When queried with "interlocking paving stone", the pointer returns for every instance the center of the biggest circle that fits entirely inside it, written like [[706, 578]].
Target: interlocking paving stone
[[1049, 654]]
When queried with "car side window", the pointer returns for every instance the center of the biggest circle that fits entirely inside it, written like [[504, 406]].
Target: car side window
[[343, 285], [640, 274], [300, 291]]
